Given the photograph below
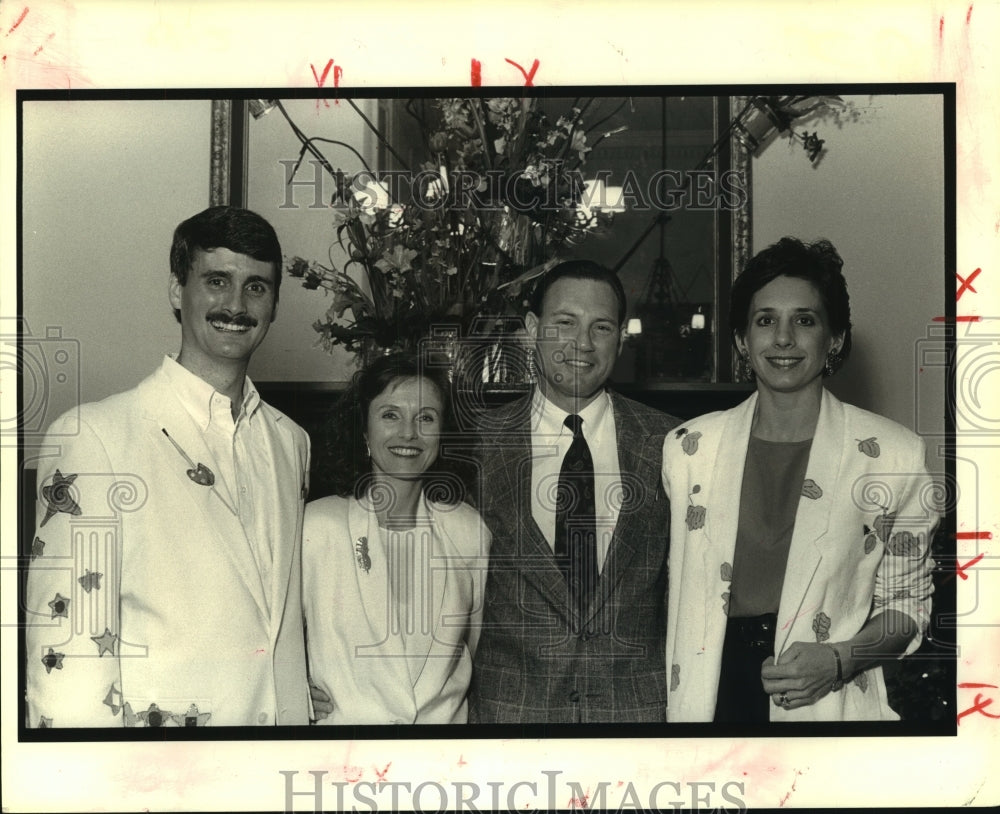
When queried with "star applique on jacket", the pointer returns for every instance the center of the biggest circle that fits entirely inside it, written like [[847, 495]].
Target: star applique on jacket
[[113, 699], [153, 716], [90, 581], [60, 606], [192, 717], [105, 642], [58, 497], [53, 660]]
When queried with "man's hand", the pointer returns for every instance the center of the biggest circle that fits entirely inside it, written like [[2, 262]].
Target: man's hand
[[806, 673], [322, 705]]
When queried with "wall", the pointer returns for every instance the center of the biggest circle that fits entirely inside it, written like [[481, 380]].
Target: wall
[[104, 185], [290, 352], [878, 196]]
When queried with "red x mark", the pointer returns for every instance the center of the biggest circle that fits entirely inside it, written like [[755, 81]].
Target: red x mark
[[528, 76], [979, 706], [960, 569], [338, 72], [966, 284]]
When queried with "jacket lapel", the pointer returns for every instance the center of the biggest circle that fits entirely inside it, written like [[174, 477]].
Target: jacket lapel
[[212, 502], [530, 551], [722, 517], [636, 459], [812, 519], [436, 555], [379, 644], [286, 519]]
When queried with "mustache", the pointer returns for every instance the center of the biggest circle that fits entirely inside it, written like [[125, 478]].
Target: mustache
[[242, 320]]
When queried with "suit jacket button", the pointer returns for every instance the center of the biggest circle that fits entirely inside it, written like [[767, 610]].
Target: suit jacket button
[[574, 696]]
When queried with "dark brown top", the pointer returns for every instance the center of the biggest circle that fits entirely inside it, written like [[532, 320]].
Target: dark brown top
[[772, 486]]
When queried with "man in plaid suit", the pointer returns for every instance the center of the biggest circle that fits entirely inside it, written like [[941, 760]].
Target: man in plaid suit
[[544, 657]]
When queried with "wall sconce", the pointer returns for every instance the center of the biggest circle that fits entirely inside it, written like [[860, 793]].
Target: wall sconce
[[633, 327], [261, 107]]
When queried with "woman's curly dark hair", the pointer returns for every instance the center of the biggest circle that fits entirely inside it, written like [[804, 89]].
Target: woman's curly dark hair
[[818, 263], [345, 468]]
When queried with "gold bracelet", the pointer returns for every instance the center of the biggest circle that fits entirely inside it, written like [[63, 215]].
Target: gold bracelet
[[839, 682]]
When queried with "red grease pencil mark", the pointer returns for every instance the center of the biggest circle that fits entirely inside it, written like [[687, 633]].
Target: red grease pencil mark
[[980, 703], [528, 76], [784, 799], [381, 774], [957, 319], [973, 535], [462, 761], [338, 73], [960, 569], [941, 28], [352, 774], [968, 15], [18, 21], [38, 50], [966, 284], [477, 73], [321, 79]]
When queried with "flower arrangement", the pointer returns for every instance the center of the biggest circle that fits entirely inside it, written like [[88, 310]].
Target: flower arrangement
[[500, 194]]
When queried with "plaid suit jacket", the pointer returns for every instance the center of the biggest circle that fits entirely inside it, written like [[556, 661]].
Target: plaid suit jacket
[[530, 666]]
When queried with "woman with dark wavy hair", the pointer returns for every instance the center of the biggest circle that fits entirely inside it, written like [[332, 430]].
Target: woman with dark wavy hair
[[394, 562], [800, 526]]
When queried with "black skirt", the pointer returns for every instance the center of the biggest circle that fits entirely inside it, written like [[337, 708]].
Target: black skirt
[[741, 698]]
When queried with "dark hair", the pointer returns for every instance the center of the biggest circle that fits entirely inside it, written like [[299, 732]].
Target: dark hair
[[345, 467], [578, 270], [225, 227], [817, 263]]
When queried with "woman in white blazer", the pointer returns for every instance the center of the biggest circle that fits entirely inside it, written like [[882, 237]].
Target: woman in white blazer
[[800, 525], [394, 563]]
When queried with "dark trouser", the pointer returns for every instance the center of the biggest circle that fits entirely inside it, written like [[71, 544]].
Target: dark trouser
[[741, 699]]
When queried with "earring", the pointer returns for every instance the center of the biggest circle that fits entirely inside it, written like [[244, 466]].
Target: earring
[[746, 371], [832, 363]]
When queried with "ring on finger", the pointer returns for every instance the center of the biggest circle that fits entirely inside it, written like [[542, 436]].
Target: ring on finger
[[783, 699]]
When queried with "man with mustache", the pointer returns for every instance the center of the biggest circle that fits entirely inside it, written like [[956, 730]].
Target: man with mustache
[[164, 583], [574, 626]]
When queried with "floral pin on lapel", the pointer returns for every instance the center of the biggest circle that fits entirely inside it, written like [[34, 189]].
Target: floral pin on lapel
[[361, 554]]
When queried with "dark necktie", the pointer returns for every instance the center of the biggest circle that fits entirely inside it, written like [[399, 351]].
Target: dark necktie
[[576, 533]]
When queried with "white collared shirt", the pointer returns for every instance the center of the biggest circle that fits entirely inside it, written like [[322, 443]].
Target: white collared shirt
[[550, 441], [242, 454]]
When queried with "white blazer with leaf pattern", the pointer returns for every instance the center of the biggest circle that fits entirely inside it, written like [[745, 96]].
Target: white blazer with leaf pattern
[[863, 528]]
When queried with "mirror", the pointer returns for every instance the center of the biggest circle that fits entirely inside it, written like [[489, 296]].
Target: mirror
[[681, 230]]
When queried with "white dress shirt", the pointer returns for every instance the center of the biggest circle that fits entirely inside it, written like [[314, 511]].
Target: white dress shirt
[[550, 441], [242, 454]]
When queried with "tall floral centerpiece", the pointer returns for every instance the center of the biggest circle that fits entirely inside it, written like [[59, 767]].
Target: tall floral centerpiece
[[443, 249]]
